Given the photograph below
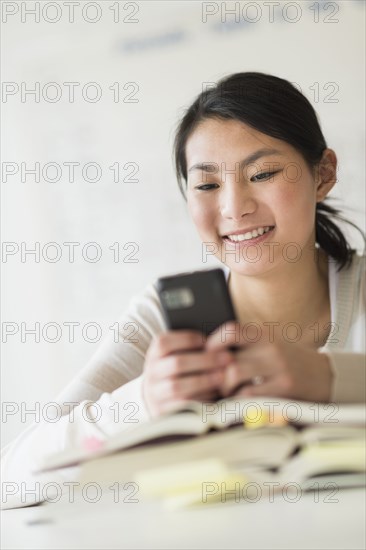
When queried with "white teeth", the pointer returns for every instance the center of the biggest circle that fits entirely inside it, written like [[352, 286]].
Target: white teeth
[[250, 234]]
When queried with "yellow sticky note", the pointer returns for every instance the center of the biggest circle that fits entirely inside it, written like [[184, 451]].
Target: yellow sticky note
[[255, 417], [180, 477], [228, 487], [346, 455], [197, 482]]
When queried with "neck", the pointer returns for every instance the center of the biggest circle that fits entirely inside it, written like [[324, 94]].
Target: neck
[[291, 292]]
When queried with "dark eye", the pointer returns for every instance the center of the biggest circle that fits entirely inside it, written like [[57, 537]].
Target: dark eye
[[206, 187], [262, 176]]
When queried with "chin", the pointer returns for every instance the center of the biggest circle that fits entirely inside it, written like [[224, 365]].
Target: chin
[[248, 268]]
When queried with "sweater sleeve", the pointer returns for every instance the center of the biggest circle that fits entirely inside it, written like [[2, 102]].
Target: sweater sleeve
[[103, 400]]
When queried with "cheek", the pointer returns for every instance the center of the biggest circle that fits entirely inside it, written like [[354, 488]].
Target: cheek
[[202, 214], [293, 203]]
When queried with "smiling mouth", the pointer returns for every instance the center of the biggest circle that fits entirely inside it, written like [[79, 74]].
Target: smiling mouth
[[249, 236]]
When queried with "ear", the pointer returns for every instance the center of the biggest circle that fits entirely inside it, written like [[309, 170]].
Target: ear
[[326, 174]]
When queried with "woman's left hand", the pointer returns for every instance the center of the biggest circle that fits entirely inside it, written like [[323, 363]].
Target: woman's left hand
[[272, 369]]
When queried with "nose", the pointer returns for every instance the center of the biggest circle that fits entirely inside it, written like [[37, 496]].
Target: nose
[[236, 200]]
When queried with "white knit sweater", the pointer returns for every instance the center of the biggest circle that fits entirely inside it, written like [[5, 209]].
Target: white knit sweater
[[112, 379]]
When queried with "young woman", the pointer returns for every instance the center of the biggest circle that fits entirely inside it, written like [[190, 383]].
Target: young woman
[[254, 168], [250, 156]]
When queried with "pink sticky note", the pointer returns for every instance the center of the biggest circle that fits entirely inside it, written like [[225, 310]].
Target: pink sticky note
[[92, 443]]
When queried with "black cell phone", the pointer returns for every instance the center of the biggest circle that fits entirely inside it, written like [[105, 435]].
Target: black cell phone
[[197, 300]]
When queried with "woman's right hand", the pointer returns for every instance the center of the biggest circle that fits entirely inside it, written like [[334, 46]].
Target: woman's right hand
[[179, 369]]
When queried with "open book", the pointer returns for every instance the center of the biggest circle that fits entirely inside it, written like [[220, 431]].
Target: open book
[[281, 454], [202, 429]]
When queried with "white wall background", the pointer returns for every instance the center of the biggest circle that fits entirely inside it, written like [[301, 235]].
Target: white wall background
[[168, 53]]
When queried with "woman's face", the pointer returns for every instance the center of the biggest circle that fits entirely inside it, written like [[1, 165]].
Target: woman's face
[[239, 179]]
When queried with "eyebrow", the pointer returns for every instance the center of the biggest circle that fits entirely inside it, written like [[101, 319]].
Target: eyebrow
[[212, 167]]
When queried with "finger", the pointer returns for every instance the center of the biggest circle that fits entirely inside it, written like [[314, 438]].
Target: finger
[[268, 388], [187, 363], [202, 383], [190, 387], [243, 370], [174, 341], [235, 378], [228, 334], [176, 404], [211, 395]]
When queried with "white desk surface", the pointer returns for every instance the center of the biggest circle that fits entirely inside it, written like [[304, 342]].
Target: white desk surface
[[336, 521]]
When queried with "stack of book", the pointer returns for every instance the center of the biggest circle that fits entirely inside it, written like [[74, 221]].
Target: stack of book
[[194, 454]]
